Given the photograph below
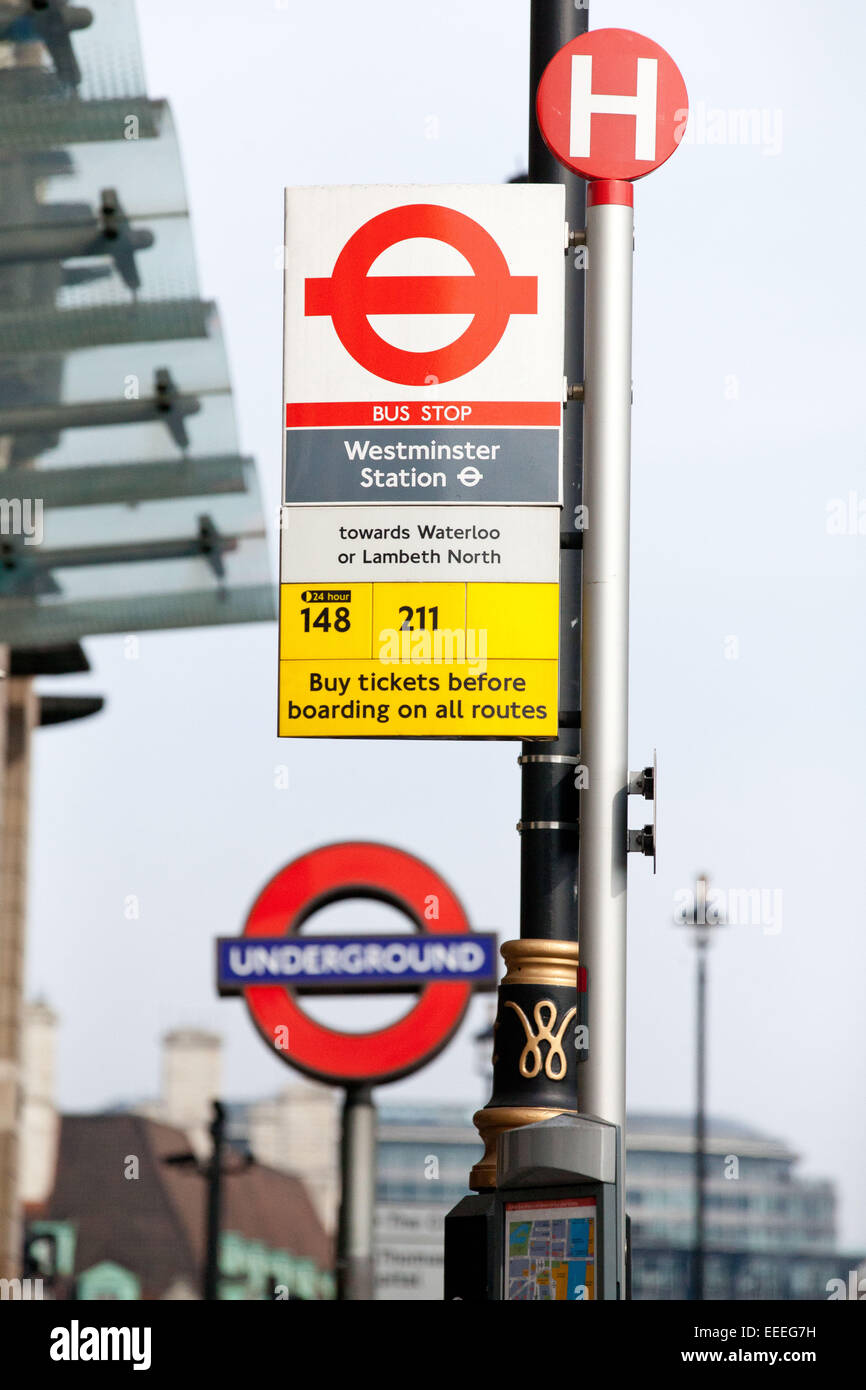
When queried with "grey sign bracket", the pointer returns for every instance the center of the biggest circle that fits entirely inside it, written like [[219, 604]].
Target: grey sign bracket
[[643, 783]]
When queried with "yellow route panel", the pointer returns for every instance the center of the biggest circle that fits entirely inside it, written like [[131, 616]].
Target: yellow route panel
[[376, 699], [402, 610], [329, 621], [514, 620]]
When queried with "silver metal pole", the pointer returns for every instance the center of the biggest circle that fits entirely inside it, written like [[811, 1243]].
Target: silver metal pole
[[604, 679], [355, 1272]]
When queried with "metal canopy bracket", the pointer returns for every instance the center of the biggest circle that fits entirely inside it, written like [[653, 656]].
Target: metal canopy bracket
[[26, 571], [122, 241], [50, 22], [166, 404], [109, 233]]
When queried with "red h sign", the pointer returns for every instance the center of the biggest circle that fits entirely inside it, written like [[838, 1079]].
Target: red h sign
[[612, 105]]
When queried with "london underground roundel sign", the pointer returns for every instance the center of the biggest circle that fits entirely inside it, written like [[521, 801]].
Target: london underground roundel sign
[[491, 294], [273, 961], [612, 105]]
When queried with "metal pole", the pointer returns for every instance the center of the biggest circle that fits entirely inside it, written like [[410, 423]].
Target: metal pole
[[19, 715], [700, 1123], [604, 688], [544, 964], [357, 1204], [549, 796], [214, 1200]]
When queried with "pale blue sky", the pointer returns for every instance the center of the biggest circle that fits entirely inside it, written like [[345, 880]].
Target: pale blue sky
[[748, 420]]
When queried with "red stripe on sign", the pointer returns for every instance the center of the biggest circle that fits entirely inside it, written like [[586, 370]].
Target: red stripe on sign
[[421, 294], [346, 414]]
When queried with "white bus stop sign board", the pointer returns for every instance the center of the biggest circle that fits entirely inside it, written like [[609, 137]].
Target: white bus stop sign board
[[422, 465]]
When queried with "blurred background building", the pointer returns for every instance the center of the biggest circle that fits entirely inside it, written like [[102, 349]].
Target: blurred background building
[[425, 1154], [770, 1232], [111, 1213]]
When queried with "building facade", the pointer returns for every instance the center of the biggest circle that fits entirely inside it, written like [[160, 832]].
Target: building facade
[[770, 1232], [110, 1214], [126, 1220], [425, 1154]]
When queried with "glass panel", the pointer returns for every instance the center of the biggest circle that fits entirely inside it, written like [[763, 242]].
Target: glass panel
[[31, 123], [144, 167], [182, 589], [129, 482], [210, 431], [86, 338], [116, 373], [164, 269], [102, 61], [233, 514], [41, 622], [103, 372], [108, 52], [153, 257], [44, 330]]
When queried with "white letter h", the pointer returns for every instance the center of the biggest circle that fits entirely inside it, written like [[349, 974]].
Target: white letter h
[[584, 101]]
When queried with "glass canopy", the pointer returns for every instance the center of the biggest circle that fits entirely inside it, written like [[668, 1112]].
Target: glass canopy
[[118, 444]]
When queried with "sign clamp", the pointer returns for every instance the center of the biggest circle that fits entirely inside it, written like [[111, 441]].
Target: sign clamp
[[644, 784]]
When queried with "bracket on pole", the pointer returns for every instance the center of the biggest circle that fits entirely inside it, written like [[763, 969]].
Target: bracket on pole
[[51, 22], [171, 408], [643, 783], [123, 241]]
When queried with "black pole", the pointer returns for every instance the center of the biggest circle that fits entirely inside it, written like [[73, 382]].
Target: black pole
[[543, 965], [549, 772], [700, 1124], [214, 1196]]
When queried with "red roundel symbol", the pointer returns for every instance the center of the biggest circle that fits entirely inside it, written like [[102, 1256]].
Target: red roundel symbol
[[491, 294], [353, 870], [612, 105]]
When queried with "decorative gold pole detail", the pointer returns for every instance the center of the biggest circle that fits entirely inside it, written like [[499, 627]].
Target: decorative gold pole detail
[[537, 1044]]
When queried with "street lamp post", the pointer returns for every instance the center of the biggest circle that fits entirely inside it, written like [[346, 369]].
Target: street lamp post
[[214, 1203], [702, 923], [702, 942], [212, 1170]]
